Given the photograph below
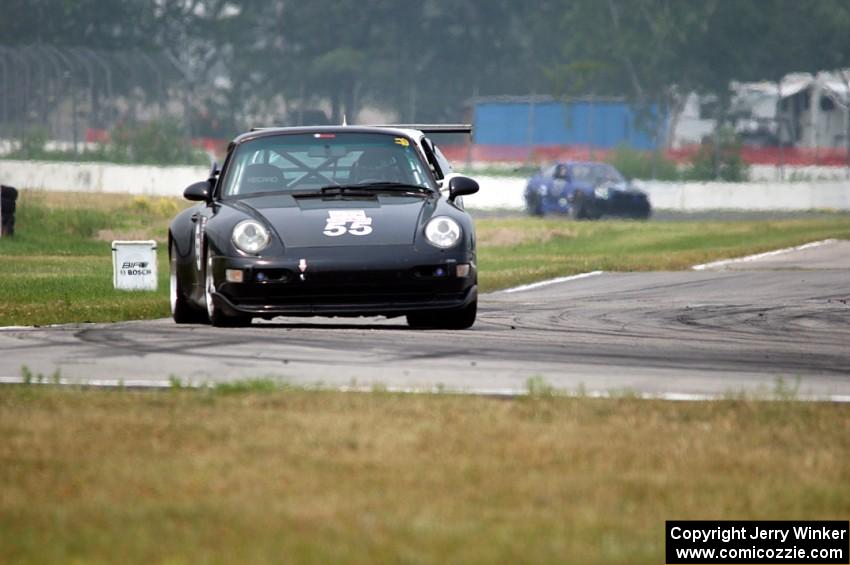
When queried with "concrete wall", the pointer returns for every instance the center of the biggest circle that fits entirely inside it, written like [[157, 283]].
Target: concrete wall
[[496, 192], [100, 177], [507, 192], [694, 196]]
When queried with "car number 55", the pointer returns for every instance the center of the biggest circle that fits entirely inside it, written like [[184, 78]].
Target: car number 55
[[359, 227], [355, 223]]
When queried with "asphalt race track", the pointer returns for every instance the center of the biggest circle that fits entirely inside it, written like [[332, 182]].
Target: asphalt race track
[[738, 327]]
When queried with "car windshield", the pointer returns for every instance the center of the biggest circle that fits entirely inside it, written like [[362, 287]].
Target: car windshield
[[312, 161], [594, 173]]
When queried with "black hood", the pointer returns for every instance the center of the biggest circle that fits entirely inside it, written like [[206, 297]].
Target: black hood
[[384, 219]]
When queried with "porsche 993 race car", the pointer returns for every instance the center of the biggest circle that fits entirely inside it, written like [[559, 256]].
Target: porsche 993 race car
[[327, 221]]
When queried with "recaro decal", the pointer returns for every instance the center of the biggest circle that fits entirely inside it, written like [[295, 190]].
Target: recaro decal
[[340, 222]]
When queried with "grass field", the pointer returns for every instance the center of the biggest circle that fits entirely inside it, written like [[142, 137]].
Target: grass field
[[515, 251], [253, 473], [58, 268], [223, 476]]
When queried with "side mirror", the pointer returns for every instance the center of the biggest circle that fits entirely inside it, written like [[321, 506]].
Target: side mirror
[[461, 186], [199, 191]]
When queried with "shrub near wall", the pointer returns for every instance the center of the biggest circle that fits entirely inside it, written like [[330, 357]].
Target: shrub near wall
[[709, 163], [719, 159], [150, 143], [635, 164]]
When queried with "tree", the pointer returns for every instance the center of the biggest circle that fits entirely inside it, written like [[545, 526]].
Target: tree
[[657, 51], [638, 48], [247, 59]]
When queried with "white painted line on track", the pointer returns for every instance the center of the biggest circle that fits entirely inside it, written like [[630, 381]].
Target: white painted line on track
[[748, 258], [142, 384], [98, 383], [551, 281], [21, 328]]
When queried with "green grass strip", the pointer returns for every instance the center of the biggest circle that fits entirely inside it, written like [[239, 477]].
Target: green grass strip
[[58, 268]]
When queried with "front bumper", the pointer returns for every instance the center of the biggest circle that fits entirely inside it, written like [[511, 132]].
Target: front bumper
[[390, 285], [630, 204], [617, 204]]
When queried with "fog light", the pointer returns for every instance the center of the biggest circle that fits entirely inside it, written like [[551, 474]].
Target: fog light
[[463, 270], [233, 275]]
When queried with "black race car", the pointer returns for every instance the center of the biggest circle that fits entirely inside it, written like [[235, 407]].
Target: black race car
[[328, 221]]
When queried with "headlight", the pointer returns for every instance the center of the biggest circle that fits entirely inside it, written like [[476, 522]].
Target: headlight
[[250, 236], [601, 192], [442, 232]]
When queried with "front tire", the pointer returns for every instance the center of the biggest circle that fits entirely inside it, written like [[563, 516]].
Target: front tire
[[645, 212], [181, 311], [578, 207], [534, 204], [445, 319]]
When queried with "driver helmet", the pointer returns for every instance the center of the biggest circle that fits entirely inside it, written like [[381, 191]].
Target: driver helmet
[[377, 164]]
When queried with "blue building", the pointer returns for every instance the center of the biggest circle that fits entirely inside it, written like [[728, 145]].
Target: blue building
[[602, 123]]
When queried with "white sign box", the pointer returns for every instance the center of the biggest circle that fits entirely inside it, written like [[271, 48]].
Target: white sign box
[[134, 265]]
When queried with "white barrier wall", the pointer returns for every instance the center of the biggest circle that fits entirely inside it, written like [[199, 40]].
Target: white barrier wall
[[507, 192], [695, 196], [495, 193], [100, 177]]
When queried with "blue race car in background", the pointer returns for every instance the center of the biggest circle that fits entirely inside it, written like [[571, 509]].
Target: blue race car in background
[[584, 190]]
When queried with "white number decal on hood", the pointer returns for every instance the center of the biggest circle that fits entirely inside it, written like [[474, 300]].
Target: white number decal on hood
[[355, 222]]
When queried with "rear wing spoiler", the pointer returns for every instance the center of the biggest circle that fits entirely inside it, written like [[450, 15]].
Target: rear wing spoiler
[[433, 128], [424, 128]]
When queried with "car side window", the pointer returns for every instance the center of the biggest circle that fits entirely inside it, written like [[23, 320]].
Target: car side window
[[430, 155], [219, 179], [583, 173], [610, 174], [445, 166]]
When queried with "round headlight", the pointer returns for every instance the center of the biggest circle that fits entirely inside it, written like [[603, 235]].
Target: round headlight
[[250, 236], [442, 232]]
